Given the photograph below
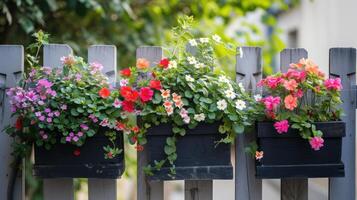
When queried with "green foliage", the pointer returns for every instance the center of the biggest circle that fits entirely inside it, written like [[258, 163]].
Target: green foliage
[[131, 23]]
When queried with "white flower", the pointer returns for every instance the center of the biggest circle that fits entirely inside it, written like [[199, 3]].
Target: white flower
[[191, 60], [189, 78], [199, 65], [230, 94], [216, 38], [221, 104], [172, 64], [258, 97], [204, 40], [123, 82], [240, 104], [199, 117], [193, 42], [241, 87], [223, 79]]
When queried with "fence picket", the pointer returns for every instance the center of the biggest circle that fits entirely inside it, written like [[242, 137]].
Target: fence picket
[[148, 190], [11, 68], [62, 188], [249, 72], [293, 189], [343, 65], [107, 56], [198, 190]]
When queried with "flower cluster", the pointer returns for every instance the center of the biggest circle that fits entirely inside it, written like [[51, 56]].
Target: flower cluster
[[71, 104], [185, 92], [300, 97]]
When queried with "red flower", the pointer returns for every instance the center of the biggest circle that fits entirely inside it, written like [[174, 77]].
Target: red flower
[[146, 94], [155, 84], [129, 94], [77, 152], [18, 124], [128, 106], [110, 155], [135, 129], [164, 63], [125, 72], [104, 92], [139, 147], [120, 126], [133, 139]]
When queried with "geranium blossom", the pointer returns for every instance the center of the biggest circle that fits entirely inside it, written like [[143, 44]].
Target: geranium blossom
[[155, 84], [290, 102], [146, 94], [164, 63], [316, 143], [271, 102], [128, 106], [104, 93], [125, 72], [282, 126], [129, 94]]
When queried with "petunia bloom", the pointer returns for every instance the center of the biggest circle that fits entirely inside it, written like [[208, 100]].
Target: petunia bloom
[[282, 126], [271, 102], [333, 84], [290, 85]]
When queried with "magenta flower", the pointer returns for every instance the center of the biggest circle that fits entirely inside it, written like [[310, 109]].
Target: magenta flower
[[271, 102], [57, 113], [282, 126], [49, 119], [44, 83], [71, 134], [117, 103], [38, 114], [93, 118], [271, 82], [68, 139], [104, 122], [84, 126], [42, 118], [316, 143], [47, 110], [75, 139], [333, 84], [31, 96]]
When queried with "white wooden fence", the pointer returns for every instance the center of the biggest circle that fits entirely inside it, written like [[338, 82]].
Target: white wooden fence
[[249, 72]]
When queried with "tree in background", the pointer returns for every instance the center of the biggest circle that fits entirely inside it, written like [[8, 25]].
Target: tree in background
[[129, 24]]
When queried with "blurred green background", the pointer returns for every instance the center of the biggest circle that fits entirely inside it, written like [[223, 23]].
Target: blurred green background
[[129, 24]]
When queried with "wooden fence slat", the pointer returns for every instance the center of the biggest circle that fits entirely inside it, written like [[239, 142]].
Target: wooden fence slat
[[293, 189], [62, 188], [107, 56], [249, 72], [343, 65], [198, 190], [11, 68], [148, 190]]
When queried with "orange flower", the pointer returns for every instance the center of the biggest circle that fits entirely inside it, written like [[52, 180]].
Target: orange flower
[[259, 155], [104, 93], [175, 97], [165, 94], [142, 63], [169, 110], [178, 104], [290, 85], [290, 102], [167, 104]]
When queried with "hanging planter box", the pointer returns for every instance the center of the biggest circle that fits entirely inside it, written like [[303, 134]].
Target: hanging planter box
[[87, 161], [197, 156], [288, 155]]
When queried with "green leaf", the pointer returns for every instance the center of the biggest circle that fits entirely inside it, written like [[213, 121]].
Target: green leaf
[[188, 94], [211, 115], [169, 150], [74, 112], [182, 132], [238, 128]]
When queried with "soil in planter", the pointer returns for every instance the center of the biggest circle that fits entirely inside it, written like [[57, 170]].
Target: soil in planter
[[87, 161], [288, 155], [197, 156]]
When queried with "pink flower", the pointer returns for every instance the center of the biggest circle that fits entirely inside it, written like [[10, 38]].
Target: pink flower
[[93, 118], [64, 107], [271, 82], [299, 93], [146, 94], [80, 134], [57, 113], [295, 74], [75, 139], [282, 126], [84, 127], [104, 122], [44, 136], [68, 139], [271, 102], [42, 118], [316, 143], [117, 103], [95, 67], [333, 84], [290, 85], [290, 102], [44, 83]]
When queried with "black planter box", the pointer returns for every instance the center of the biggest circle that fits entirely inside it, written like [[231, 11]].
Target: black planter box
[[61, 162], [288, 155], [197, 156]]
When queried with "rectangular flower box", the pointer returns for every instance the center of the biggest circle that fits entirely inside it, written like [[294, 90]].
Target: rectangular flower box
[[289, 155], [87, 161], [197, 156]]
